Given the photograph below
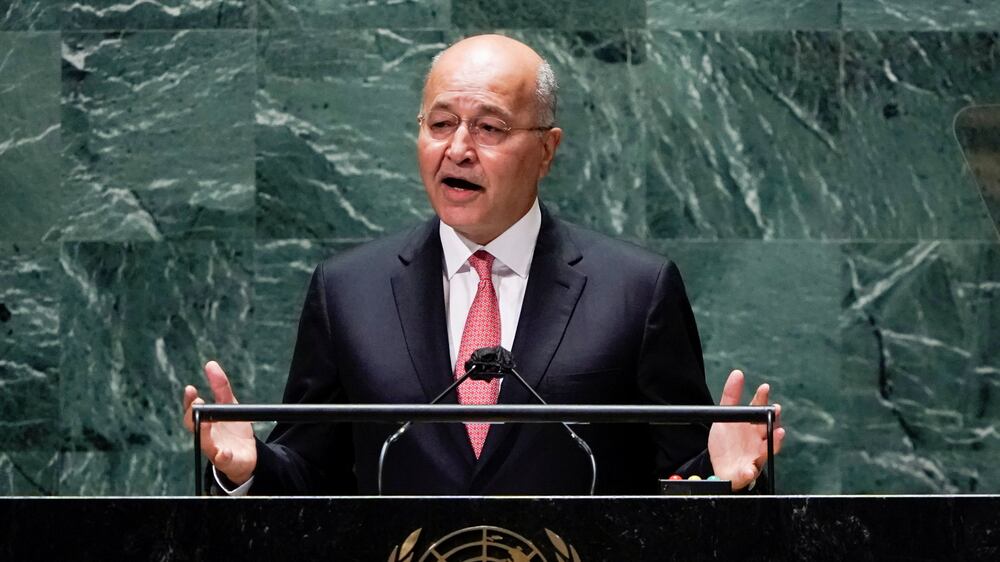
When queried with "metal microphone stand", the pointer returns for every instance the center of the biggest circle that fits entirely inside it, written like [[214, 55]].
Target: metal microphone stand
[[486, 364]]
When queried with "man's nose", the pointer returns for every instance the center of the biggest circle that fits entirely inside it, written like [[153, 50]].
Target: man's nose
[[462, 146]]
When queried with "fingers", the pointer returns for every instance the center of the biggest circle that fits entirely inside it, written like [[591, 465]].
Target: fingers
[[223, 458], [732, 392], [779, 437], [761, 396], [190, 393], [219, 382], [190, 396], [189, 416]]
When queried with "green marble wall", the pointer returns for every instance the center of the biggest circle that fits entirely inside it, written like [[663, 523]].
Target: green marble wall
[[170, 172]]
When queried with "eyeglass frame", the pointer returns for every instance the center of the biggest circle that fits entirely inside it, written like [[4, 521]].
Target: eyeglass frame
[[474, 130]]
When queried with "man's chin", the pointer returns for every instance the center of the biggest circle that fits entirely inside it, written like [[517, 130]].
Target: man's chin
[[470, 225]]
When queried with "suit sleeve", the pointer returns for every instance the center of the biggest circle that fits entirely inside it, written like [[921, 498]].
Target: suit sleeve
[[309, 458], [671, 371]]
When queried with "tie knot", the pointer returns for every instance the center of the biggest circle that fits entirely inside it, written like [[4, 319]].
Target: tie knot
[[482, 262]]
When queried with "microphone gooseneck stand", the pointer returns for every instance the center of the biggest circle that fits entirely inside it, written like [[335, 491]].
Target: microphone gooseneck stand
[[486, 364]]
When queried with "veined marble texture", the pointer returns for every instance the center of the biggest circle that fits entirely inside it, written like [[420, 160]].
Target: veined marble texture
[[903, 175], [814, 135], [921, 14], [30, 346], [29, 473], [193, 161], [744, 134], [157, 14], [771, 309], [128, 473], [349, 14], [31, 194], [597, 177], [336, 132], [921, 367], [137, 322], [158, 135], [743, 14], [34, 15], [555, 14], [282, 272]]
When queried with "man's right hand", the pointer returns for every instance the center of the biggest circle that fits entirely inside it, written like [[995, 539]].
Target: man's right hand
[[229, 446]]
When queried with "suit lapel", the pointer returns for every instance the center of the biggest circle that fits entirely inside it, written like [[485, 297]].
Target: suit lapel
[[554, 287], [419, 295]]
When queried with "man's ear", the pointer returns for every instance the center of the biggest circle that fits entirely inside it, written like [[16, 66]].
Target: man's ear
[[550, 142]]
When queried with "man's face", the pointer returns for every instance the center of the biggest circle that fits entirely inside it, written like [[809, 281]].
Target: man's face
[[481, 191]]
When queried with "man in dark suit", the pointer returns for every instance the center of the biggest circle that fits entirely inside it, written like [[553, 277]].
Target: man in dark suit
[[588, 319]]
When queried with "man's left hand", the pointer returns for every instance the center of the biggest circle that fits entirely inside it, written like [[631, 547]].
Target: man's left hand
[[739, 450]]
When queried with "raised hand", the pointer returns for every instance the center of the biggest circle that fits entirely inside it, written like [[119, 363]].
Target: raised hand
[[739, 450], [229, 446]]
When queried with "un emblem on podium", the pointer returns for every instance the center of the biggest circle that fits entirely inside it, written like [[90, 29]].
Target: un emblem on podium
[[484, 543]]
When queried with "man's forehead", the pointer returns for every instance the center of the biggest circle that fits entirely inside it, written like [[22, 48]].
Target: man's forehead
[[490, 65], [460, 101], [489, 90]]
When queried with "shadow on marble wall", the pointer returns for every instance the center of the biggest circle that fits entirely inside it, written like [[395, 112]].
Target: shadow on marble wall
[[977, 129], [171, 173]]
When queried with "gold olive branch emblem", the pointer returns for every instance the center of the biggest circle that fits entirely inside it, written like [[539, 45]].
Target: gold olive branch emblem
[[446, 550], [404, 552]]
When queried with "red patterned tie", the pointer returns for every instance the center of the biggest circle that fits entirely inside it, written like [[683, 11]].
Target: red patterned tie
[[482, 329]]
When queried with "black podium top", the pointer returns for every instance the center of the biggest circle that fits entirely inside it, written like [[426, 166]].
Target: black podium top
[[402, 529]]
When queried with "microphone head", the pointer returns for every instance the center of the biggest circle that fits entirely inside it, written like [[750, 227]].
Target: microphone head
[[488, 363]]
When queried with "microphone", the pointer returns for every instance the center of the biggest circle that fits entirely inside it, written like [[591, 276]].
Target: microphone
[[486, 364]]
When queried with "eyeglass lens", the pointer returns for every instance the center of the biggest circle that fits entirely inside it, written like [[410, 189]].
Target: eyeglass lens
[[486, 130]]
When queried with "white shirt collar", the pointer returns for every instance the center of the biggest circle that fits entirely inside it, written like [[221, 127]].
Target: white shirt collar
[[514, 248]]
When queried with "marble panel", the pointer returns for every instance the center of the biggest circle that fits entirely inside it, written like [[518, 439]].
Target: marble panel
[[903, 174], [910, 15], [558, 14], [31, 197], [336, 132], [138, 320], [30, 284], [160, 14], [919, 326], [744, 133], [704, 15], [34, 15], [158, 135], [597, 178], [771, 309], [282, 273], [29, 473], [133, 473], [341, 14]]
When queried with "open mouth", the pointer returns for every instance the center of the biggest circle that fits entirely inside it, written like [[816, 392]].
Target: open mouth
[[459, 183]]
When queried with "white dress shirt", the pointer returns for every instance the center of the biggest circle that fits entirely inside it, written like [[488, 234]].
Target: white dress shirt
[[513, 250]]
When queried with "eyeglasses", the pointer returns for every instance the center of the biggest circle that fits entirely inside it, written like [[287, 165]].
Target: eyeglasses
[[486, 131]]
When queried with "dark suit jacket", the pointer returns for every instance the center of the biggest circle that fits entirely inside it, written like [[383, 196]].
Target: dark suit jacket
[[603, 322]]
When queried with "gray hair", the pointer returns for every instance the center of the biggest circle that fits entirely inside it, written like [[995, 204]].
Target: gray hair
[[546, 91]]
